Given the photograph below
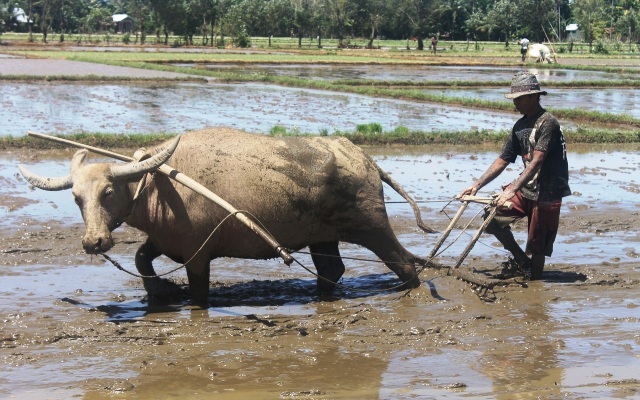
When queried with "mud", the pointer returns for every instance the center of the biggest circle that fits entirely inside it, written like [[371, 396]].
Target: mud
[[75, 327]]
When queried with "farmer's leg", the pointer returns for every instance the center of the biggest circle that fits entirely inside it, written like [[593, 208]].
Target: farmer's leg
[[543, 228], [502, 231], [500, 227]]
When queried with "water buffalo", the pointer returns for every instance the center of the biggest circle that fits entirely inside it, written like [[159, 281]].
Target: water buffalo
[[306, 191]]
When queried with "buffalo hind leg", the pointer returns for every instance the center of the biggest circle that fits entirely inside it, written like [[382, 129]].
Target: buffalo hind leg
[[198, 274], [326, 258], [158, 289], [386, 246]]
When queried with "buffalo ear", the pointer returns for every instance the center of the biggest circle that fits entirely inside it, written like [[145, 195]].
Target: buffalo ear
[[78, 160]]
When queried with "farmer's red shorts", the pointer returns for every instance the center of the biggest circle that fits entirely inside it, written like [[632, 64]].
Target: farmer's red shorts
[[543, 220]]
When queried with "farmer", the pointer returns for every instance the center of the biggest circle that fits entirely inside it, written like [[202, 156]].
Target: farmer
[[434, 44], [524, 47], [538, 191]]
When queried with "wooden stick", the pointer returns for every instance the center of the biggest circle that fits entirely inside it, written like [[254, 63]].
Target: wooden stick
[[484, 200], [475, 238], [191, 184], [447, 231]]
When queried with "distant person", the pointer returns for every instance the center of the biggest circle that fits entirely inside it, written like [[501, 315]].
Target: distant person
[[434, 44], [524, 47], [538, 191]]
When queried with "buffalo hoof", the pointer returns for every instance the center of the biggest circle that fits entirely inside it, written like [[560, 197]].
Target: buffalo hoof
[[411, 283], [163, 291]]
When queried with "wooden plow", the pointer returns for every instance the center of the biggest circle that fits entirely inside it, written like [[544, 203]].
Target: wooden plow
[[481, 285]]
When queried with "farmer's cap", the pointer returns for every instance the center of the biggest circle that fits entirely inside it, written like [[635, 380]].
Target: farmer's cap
[[522, 84]]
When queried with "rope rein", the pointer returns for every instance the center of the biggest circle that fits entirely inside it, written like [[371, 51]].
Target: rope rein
[[423, 263]]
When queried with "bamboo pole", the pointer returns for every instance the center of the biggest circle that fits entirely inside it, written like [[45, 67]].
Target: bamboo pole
[[555, 56], [191, 184]]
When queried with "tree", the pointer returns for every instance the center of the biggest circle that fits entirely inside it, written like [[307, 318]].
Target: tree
[[6, 10], [476, 25], [367, 17], [448, 14], [140, 11], [591, 18], [502, 17], [628, 25], [98, 20], [535, 16], [340, 14], [302, 17], [418, 17]]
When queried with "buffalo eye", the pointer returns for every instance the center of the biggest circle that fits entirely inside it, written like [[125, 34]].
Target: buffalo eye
[[107, 193]]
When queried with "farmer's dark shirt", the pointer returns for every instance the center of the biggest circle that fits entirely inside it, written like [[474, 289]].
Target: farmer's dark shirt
[[552, 180]]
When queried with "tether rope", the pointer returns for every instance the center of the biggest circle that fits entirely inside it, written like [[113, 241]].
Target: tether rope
[[423, 263]]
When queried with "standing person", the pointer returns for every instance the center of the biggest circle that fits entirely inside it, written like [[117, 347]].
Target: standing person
[[524, 47], [538, 191], [434, 44]]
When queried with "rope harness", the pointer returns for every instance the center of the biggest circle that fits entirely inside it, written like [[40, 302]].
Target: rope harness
[[482, 289]]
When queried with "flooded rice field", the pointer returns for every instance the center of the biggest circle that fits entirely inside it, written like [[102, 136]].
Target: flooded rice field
[[116, 108], [75, 327], [69, 108], [143, 108], [611, 100], [413, 73]]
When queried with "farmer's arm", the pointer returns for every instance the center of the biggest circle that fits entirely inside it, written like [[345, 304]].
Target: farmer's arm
[[527, 174], [494, 170]]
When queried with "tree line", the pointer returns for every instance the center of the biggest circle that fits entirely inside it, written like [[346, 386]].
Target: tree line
[[209, 22]]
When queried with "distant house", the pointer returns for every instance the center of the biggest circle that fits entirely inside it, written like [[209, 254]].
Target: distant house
[[572, 33], [124, 23], [20, 16]]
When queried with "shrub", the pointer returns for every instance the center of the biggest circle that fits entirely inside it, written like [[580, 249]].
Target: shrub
[[126, 38], [373, 128], [243, 39], [600, 48], [278, 130]]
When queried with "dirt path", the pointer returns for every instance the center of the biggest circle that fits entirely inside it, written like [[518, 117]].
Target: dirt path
[[10, 65]]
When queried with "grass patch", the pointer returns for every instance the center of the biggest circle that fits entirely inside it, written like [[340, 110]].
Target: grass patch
[[365, 134]]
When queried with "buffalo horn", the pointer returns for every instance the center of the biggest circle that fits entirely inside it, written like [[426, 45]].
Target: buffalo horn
[[44, 183], [140, 167]]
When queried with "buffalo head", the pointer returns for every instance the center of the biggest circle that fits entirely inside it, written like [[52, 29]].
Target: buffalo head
[[102, 192]]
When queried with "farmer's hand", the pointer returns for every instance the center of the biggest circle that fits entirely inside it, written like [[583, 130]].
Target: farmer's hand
[[504, 196], [470, 191]]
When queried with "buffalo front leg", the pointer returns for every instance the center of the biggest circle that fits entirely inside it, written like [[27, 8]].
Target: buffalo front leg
[[158, 289], [326, 258], [385, 245]]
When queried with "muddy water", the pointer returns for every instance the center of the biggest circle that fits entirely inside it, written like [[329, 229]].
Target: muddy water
[[74, 326]]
